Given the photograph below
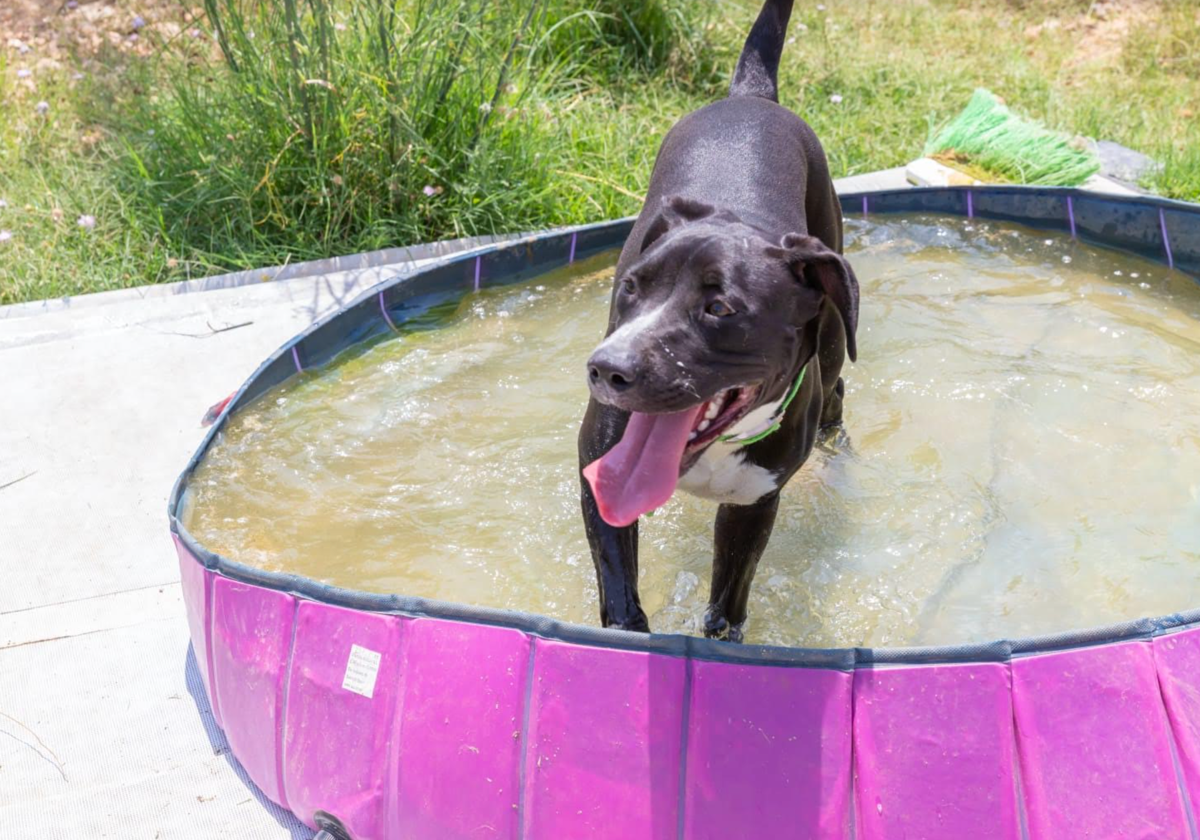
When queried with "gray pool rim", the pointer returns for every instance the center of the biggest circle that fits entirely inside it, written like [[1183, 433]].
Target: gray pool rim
[[1159, 229]]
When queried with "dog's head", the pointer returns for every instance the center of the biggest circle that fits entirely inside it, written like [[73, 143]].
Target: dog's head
[[707, 324], [712, 313]]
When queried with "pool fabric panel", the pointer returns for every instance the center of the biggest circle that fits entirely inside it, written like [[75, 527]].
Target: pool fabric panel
[[458, 756], [604, 744], [1095, 745], [934, 752], [196, 582], [1177, 662], [408, 718], [335, 739], [251, 652], [769, 748], [1182, 236]]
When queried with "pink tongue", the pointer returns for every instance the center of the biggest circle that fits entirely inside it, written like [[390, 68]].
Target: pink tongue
[[639, 474]]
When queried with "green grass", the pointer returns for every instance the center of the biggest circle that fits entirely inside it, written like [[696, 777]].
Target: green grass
[[49, 179], [316, 126]]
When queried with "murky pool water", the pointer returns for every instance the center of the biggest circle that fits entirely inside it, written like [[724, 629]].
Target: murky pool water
[[1022, 455]]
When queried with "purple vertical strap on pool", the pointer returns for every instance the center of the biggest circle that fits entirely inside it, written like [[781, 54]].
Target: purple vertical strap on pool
[[602, 758], [864, 205], [478, 261], [341, 699], [1162, 223], [767, 748], [251, 638], [571, 256], [386, 316], [1071, 215], [933, 748], [1177, 657], [970, 205], [460, 731], [197, 600], [1095, 747], [296, 359]]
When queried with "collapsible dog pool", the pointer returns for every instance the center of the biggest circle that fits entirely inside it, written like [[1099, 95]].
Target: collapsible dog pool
[[389, 716]]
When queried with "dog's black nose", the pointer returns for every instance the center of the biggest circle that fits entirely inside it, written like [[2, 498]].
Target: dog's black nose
[[617, 371]]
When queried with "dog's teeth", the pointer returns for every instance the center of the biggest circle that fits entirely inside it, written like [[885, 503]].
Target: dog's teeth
[[703, 425], [692, 436], [714, 408]]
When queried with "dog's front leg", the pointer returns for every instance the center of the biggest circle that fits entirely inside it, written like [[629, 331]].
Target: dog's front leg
[[742, 533], [614, 550]]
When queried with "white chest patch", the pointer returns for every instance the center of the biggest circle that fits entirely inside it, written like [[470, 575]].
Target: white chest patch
[[723, 475]]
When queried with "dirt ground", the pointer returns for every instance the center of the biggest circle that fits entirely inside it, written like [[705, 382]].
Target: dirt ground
[[1101, 30], [50, 33], [55, 27], [60, 29]]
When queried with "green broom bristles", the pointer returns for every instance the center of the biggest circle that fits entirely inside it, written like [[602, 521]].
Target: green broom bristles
[[992, 137]]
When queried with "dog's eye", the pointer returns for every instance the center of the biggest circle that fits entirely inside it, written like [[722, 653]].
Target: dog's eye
[[719, 309], [628, 286]]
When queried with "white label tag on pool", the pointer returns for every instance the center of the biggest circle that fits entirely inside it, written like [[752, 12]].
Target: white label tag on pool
[[361, 670]]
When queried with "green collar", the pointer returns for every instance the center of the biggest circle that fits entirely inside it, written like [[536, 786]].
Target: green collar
[[772, 423]]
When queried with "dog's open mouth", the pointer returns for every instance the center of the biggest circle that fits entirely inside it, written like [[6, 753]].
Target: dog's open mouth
[[639, 474], [719, 414]]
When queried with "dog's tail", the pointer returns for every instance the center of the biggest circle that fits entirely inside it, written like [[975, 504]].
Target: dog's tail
[[759, 62]]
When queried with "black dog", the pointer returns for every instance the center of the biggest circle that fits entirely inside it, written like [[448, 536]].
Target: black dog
[[732, 312]]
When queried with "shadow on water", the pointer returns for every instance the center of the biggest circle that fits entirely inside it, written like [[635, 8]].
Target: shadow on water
[[220, 746]]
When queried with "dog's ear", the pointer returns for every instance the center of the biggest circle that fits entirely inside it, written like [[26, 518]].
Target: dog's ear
[[676, 210], [814, 263]]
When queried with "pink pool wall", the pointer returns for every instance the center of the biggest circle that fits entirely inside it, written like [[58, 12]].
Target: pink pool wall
[[428, 729]]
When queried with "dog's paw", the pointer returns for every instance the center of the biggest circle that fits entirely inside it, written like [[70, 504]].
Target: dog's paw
[[716, 626], [835, 440]]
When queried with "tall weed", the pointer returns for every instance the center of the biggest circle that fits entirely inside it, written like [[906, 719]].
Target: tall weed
[[336, 127], [332, 129]]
